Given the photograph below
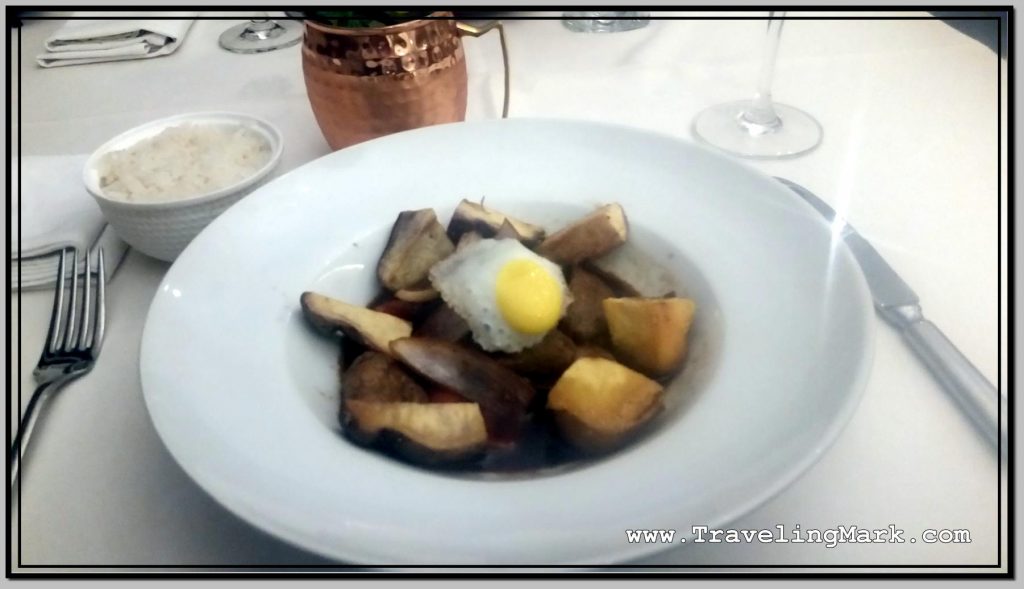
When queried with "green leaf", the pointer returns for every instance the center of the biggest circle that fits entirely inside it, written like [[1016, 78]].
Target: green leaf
[[356, 19]]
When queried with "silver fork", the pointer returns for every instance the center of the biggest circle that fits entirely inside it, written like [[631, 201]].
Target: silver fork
[[73, 342]]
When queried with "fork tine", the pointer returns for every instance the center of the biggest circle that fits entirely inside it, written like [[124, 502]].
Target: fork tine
[[72, 326], [83, 332], [53, 334], [101, 304]]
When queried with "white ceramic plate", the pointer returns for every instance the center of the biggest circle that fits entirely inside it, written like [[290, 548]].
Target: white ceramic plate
[[245, 396]]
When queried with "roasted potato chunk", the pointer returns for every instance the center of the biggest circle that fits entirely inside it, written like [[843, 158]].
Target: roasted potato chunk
[[376, 377], [650, 334], [425, 433], [417, 242], [470, 216], [594, 235], [584, 319], [372, 328], [598, 403]]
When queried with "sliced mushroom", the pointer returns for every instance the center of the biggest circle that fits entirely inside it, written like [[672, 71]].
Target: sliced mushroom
[[392, 305], [376, 377], [468, 238], [440, 394], [502, 394], [584, 319], [417, 294], [507, 231], [350, 351], [417, 242], [425, 433], [470, 216], [551, 355], [443, 323], [620, 286], [375, 329], [594, 235]]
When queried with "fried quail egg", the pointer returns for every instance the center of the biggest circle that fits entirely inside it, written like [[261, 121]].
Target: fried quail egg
[[509, 296]]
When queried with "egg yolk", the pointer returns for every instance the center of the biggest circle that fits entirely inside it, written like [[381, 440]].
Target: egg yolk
[[529, 298]]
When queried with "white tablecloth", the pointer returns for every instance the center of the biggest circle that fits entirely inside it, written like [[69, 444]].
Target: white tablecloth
[[909, 109]]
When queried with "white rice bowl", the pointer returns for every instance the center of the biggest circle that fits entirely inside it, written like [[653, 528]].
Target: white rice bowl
[[182, 162]]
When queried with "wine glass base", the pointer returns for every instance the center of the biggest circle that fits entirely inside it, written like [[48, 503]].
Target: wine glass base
[[720, 126], [244, 39]]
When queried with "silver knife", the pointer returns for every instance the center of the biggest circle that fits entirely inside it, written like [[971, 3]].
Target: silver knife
[[899, 305]]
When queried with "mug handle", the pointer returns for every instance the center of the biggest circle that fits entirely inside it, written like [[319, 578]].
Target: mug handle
[[474, 31]]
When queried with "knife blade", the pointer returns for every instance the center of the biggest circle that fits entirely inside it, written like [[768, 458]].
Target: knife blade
[[899, 305], [887, 288]]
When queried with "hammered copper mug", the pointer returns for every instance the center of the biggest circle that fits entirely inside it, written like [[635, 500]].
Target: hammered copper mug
[[369, 82]]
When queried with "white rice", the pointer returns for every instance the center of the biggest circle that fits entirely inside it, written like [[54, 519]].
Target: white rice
[[183, 162]]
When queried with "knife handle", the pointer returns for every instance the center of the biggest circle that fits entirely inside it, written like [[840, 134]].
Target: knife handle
[[975, 394]]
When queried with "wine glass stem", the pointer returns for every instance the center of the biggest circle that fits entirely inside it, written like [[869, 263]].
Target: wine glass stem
[[261, 29], [760, 117], [260, 24]]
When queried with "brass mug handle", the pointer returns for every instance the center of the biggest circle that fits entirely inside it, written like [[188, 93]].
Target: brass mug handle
[[473, 31]]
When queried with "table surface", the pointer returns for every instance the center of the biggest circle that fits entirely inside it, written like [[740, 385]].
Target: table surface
[[910, 155]]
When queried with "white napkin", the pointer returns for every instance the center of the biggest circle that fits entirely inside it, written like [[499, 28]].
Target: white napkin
[[55, 212], [87, 38]]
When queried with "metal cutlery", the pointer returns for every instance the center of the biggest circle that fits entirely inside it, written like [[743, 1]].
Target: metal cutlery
[[72, 344], [897, 303]]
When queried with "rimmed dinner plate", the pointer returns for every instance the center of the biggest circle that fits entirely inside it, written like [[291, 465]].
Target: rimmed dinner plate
[[244, 395]]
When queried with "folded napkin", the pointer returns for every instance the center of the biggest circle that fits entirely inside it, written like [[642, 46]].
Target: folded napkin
[[54, 212], [87, 38]]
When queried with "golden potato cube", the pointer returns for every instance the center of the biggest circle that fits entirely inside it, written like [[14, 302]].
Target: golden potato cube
[[650, 334], [598, 403]]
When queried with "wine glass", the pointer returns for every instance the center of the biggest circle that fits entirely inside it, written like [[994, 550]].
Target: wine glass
[[760, 128], [605, 22], [260, 35]]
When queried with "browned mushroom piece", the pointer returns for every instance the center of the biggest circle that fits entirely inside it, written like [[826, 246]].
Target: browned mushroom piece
[[594, 235], [584, 319], [425, 433], [417, 242], [470, 216], [502, 394], [372, 328]]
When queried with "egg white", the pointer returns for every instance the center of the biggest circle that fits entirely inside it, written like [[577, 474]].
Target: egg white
[[466, 281]]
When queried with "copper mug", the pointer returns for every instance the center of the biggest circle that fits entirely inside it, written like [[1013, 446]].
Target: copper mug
[[368, 82]]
